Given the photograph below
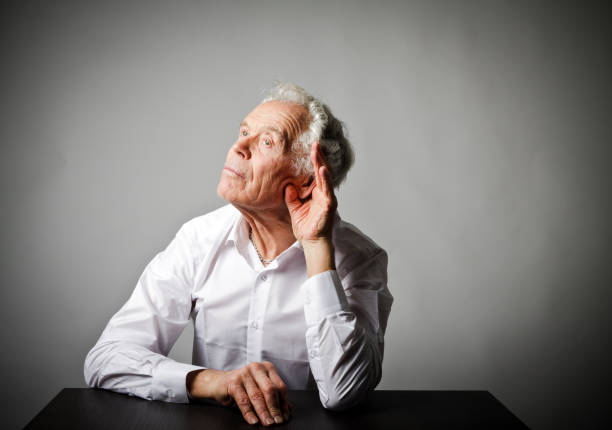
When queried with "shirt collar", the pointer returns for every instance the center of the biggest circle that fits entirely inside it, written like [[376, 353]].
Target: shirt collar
[[239, 233]]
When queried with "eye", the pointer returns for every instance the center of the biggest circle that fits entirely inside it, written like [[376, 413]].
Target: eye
[[244, 132], [267, 142]]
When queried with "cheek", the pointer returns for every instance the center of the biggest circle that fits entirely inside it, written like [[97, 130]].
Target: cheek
[[271, 178], [276, 183]]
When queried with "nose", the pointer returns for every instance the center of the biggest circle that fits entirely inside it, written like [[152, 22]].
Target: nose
[[241, 147]]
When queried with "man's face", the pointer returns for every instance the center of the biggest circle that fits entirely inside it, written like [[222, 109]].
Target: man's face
[[258, 165]]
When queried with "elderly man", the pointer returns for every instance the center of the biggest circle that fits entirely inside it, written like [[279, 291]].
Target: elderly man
[[281, 291]]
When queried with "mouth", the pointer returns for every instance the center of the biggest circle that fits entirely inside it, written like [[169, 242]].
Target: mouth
[[229, 169]]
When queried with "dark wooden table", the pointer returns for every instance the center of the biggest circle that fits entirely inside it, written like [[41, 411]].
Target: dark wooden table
[[87, 408]]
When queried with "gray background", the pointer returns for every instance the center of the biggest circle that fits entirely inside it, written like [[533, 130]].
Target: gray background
[[482, 132]]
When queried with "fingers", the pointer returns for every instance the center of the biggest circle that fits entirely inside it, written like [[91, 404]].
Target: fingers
[[260, 394], [322, 173], [317, 162], [325, 180], [237, 391], [257, 398], [282, 389], [291, 197], [269, 390]]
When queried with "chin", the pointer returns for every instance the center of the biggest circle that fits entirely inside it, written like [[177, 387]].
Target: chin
[[227, 192], [220, 190], [223, 191]]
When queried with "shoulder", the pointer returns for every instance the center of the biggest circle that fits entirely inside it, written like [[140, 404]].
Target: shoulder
[[354, 248]]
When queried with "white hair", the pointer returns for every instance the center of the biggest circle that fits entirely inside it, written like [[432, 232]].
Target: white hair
[[324, 127]]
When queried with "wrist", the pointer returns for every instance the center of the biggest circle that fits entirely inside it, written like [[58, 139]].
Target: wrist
[[319, 255], [317, 244], [205, 384]]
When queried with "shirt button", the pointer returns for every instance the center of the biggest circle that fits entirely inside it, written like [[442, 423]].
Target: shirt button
[[263, 277], [312, 354], [255, 325]]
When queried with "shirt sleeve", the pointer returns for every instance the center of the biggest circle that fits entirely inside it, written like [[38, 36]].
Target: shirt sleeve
[[130, 355], [346, 321]]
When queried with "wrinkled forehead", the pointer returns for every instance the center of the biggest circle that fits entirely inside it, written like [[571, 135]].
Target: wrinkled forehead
[[290, 119]]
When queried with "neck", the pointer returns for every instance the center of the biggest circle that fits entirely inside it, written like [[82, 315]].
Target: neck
[[271, 231]]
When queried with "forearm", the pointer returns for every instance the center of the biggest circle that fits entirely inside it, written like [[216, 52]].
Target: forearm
[[135, 370], [345, 360], [344, 356]]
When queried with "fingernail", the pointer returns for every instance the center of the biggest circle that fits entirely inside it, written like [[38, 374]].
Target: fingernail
[[270, 421], [278, 419], [253, 420]]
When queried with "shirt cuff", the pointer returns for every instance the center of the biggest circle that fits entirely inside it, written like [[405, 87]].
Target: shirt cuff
[[170, 381], [323, 295]]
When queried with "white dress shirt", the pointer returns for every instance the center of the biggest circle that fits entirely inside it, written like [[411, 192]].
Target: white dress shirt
[[324, 332]]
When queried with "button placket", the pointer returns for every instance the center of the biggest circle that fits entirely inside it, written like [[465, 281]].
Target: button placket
[[259, 298]]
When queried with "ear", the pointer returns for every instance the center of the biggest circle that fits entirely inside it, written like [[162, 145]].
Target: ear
[[308, 184]]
